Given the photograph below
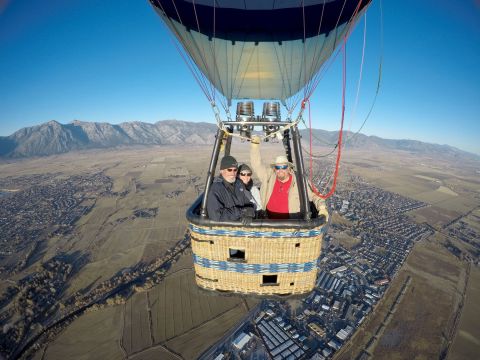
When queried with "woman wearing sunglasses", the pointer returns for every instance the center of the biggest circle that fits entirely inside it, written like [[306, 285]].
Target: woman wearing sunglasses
[[279, 189], [245, 174]]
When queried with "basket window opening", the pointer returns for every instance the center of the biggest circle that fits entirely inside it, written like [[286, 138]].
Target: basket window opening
[[269, 279], [236, 254]]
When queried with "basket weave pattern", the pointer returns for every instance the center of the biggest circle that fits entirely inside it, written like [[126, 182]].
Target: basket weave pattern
[[288, 254]]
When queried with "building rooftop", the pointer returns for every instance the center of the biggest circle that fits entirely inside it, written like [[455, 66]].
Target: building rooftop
[[241, 340]]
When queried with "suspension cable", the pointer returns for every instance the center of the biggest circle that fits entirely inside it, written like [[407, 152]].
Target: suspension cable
[[210, 91], [316, 79], [357, 95], [337, 163], [380, 65]]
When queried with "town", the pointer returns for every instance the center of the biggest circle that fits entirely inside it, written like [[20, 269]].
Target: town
[[365, 246], [45, 206], [351, 281], [40, 206]]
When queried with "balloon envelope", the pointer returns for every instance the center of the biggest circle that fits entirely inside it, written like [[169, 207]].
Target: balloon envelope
[[259, 49]]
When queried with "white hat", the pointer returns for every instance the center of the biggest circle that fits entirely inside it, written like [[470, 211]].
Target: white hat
[[282, 159]]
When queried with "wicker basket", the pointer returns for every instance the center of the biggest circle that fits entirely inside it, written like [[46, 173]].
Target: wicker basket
[[256, 260]]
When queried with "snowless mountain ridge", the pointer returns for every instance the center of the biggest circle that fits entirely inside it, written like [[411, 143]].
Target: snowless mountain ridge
[[54, 138]]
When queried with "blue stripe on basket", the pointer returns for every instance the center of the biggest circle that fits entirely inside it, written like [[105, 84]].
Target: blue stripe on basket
[[274, 234], [253, 268]]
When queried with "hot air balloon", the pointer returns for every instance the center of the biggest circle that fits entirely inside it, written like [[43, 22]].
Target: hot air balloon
[[258, 50]]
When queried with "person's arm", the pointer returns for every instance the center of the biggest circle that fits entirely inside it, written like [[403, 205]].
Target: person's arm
[[259, 169], [256, 197], [217, 210]]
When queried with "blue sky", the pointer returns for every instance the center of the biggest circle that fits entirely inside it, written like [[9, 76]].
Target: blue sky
[[114, 61]]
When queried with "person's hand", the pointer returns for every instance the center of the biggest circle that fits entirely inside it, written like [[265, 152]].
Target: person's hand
[[248, 211], [255, 140], [323, 211], [246, 220], [261, 214]]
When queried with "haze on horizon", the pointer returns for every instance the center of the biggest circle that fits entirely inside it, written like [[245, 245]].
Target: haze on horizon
[[115, 62]]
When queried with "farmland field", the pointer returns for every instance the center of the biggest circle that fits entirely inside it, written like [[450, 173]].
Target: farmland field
[[435, 216], [178, 305], [176, 319], [154, 353], [467, 341], [416, 329], [136, 328], [191, 345], [94, 335]]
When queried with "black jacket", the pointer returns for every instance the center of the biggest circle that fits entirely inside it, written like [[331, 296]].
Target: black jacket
[[227, 202]]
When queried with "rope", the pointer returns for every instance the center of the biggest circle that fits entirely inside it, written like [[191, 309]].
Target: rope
[[210, 91], [317, 138], [201, 52], [304, 50], [214, 43], [360, 75], [316, 79], [283, 70], [198, 76], [316, 57], [312, 85], [377, 91], [337, 163], [348, 139], [319, 156]]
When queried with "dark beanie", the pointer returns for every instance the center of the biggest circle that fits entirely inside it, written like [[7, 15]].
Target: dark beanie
[[244, 167], [228, 162]]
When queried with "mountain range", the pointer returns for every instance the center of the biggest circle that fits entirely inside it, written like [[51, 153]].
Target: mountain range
[[55, 138]]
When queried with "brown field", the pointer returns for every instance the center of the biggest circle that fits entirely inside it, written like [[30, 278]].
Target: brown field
[[136, 328], [461, 204], [435, 216], [195, 342], [342, 238], [467, 341], [178, 305], [418, 177], [407, 184], [474, 219], [446, 190], [94, 335], [155, 353], [185, 320], [418, 327], [427, 178], [105, 268], [434, 197]]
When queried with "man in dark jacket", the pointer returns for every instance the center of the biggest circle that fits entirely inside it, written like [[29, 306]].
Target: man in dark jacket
[[227, 199]]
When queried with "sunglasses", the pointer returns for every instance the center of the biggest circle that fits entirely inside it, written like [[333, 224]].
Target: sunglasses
[[245, 174], [281, 167], [232, 170]]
